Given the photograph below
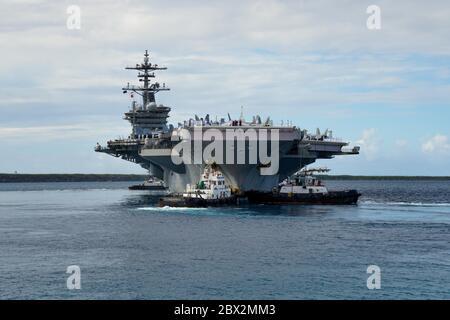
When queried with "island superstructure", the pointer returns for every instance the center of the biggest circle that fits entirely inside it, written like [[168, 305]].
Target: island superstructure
[[152, 141]]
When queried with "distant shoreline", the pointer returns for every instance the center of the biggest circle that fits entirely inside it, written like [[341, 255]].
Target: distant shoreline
[[349, 177], [76, 177], [71, 177]]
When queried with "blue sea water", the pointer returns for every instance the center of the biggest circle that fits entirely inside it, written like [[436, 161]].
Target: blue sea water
[[127, 248]]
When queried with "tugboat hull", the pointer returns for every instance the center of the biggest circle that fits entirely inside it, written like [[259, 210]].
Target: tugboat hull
[[332, 197], [144, 187], [175, 201]]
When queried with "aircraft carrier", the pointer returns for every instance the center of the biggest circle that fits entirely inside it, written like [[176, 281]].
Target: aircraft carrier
[[155, 145]]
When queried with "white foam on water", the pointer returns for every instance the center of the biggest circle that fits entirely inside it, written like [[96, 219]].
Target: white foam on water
[[167, 208], [402, 203]]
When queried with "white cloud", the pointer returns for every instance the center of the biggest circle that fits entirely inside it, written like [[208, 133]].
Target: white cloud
[[439, 144], [257, 53], [62, 132], [401, 143], [370, 143]]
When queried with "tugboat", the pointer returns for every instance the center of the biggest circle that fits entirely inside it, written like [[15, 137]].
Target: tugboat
[[304, 188], [151, 184], [211, 190]]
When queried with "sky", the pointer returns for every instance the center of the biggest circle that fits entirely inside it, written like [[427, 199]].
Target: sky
[[315, 63]]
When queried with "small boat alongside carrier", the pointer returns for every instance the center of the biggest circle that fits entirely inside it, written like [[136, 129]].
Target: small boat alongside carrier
[[304, 188], [211, 190], [151, 183]]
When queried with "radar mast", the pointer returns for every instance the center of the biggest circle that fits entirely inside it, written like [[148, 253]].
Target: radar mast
[[148, 90]]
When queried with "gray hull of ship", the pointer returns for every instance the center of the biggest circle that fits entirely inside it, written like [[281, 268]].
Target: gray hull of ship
[[243, 177]]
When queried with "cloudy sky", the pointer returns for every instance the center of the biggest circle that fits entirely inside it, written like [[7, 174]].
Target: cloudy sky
[[314, 63]]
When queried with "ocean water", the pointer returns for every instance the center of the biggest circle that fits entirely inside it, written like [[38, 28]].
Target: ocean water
[[127, 248]]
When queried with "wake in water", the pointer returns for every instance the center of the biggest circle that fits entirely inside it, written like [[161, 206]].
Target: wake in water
[[218, 211], [403, 203], [167, 208]]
